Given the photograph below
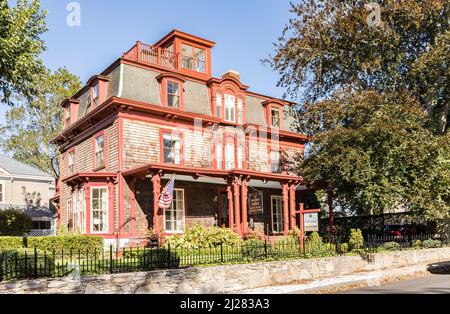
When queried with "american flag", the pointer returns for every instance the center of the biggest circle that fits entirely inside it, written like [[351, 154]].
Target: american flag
[[165, 201]]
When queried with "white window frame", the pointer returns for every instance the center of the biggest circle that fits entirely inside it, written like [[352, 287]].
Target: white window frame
[[219, 105], [177, 95], [277, 110], [71, 162], [230, 162], [174, 149], [97, 151], [230, 107], [280, 224], [172, 212], [107, 210], [240, 111], [219, 155]]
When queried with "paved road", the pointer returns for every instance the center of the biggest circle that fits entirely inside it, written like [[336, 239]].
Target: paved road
[[433, 284]]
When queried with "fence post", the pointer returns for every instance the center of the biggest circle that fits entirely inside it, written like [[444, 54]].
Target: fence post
[[35, 262], [110, 259], [265, 248], [221, 252]]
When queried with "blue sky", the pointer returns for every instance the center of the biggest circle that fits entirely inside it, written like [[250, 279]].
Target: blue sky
[[244, 32]]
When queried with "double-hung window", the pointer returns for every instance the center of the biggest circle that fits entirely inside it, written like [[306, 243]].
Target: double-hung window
[[276, 162], [68, 117], [173, 94], [219, 157], [99, 209], [172, 148], [71, 163], [174, 216], [230, 108], [219, 105], [275, 117], [95, 95], [229, 156], [277, 213], [99, 151], [240, 156]]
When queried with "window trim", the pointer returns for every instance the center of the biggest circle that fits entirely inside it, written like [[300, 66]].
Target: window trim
[[269, 108], [184, 213], [164, 78], [72, 150], [272, 197], [91, 210], [270, 149], [193, 46], [95, 137], [162, 132], [2, 192]]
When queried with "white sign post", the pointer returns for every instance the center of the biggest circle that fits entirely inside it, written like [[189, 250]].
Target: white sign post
[[311, 221]]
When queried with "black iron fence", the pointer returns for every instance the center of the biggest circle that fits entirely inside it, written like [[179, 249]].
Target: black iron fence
[[34, 263]]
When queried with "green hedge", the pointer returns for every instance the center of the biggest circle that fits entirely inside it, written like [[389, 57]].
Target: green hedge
[[56, 244], [7, 243]]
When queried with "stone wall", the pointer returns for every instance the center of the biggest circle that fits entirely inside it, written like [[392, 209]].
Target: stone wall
[[228, 278]]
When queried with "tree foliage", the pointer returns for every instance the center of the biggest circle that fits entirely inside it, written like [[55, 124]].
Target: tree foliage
[[14, 222], [374, 99], [30, 125], [20, 47]]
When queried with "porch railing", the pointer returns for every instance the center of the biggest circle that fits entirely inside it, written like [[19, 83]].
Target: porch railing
[[41, 233], [150, 54]]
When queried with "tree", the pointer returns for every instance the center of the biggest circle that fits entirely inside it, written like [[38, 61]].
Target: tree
[[30, 125], [14, 222], [378, 154], [332, 45], [20, 46]]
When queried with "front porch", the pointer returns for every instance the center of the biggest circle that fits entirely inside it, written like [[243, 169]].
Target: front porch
[[211, 198]]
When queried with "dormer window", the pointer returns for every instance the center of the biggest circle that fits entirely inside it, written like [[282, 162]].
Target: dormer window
[[67, 116], [88, 104], [275, 117], [230, 108], [219, 105], [95, 95], [193, 58], [173, 94]]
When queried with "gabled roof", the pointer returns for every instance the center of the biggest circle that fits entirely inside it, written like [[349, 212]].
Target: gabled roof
[[14, 167]]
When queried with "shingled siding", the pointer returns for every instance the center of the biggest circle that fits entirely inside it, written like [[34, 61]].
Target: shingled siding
[[84, 162]]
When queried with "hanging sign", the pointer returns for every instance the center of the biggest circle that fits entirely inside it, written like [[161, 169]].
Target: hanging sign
[[311, 221], [255, 203]]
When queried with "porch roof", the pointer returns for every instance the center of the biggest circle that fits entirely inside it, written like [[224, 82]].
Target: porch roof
[[197, 172]]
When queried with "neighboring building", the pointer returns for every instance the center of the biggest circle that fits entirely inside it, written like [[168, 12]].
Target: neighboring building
[[29, 189], [157, 112]]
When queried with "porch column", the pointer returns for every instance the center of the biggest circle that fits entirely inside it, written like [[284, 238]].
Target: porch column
[[230, 206], [285, 189], [244, 194], [156, 182], [237, 206], [292, 203]]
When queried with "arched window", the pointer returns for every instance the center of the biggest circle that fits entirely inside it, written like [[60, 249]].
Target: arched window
[[219, 105], [230, 103]]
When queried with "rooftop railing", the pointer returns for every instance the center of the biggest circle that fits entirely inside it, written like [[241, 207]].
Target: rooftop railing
[[150, 54]]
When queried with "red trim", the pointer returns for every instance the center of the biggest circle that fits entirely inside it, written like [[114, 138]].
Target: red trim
[[164, 92], [94, 140], [68, 173]]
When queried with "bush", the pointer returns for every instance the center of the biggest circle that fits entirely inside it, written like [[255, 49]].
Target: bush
[[202, 237], [295, 233], [77, 244], [416, 244], [315, 247], [255, 249], [391, 246], [253, 235], [22, 263], [8, 243], [428, 244], [345, 248], [356, 240], [14, 222]]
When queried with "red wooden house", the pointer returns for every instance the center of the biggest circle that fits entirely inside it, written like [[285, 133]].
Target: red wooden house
[[157, 112]]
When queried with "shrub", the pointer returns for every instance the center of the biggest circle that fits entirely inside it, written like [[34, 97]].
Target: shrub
[[255, 249], [251, 235], [82, 245], [315, 247], [391, 246], [14, 222], [22, 263], [356, 240], [428, 244], [201, 237], [345, 248], [295, 232], [416, 243], [8, 243]]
